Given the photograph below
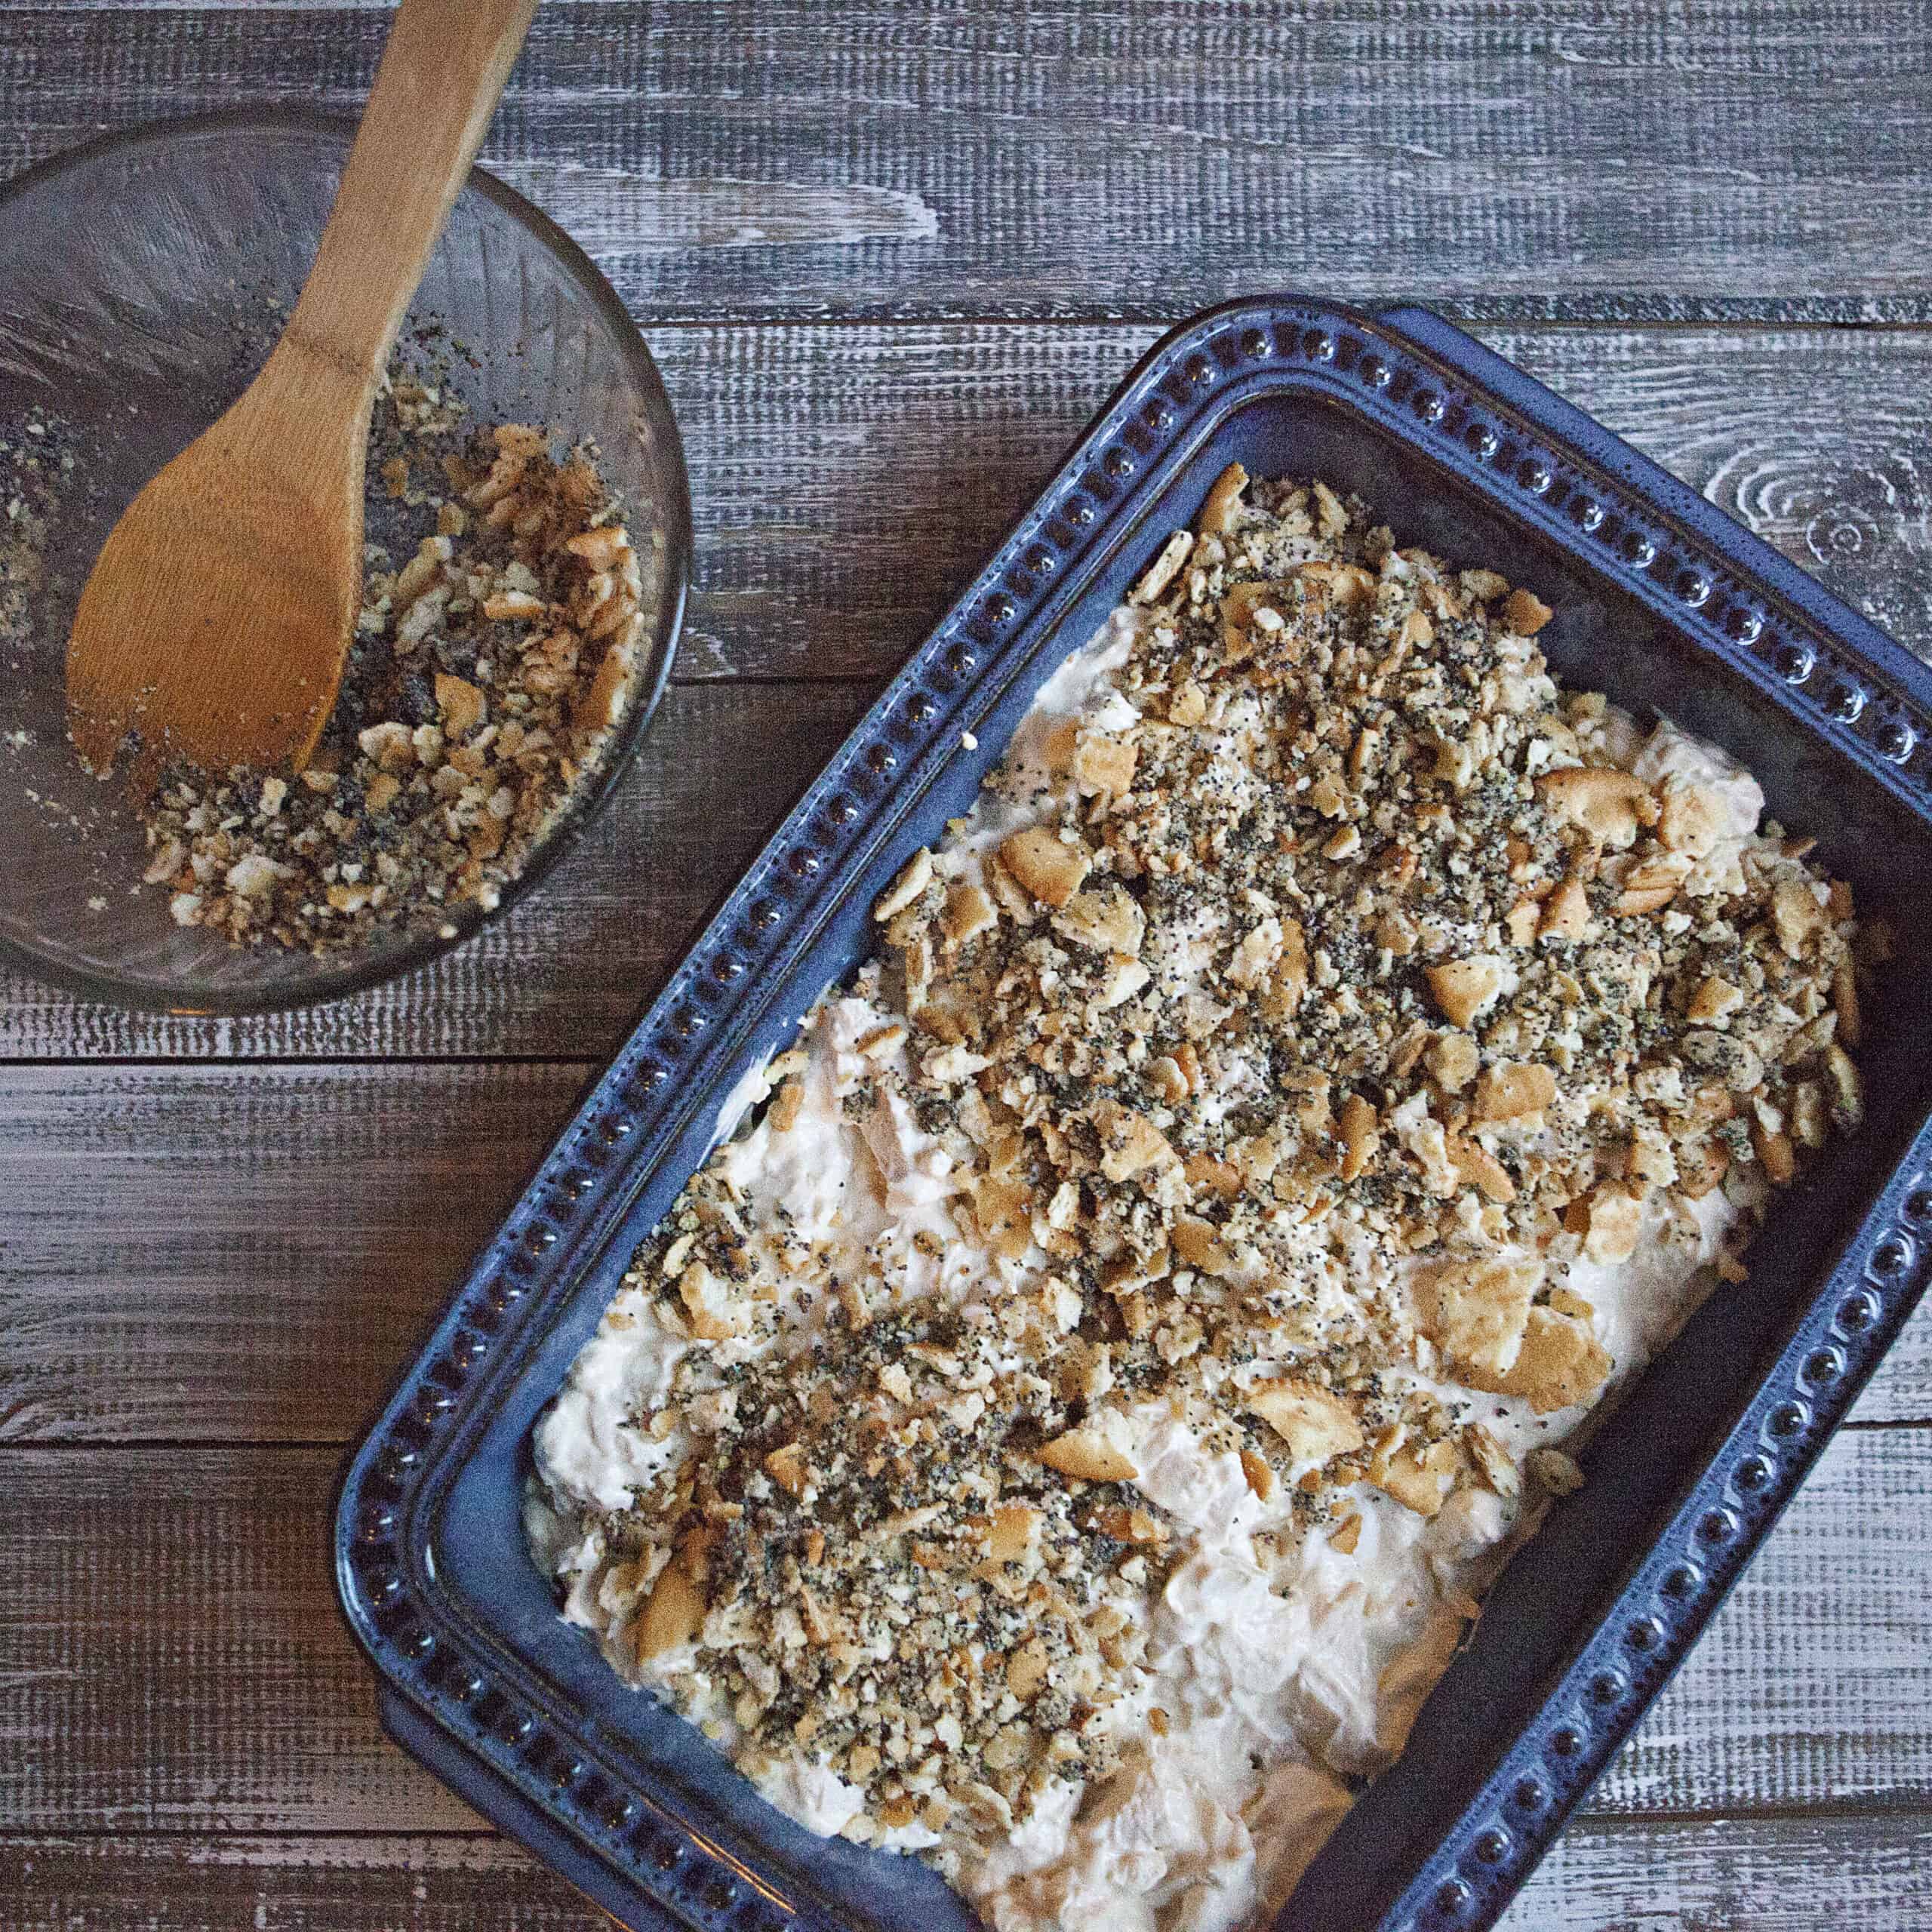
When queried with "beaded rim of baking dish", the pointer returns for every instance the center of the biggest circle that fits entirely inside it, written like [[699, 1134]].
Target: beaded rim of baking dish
[[1538, 461]]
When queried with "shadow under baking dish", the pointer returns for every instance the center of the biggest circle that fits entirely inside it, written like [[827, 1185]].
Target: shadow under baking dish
[[1661, 602]]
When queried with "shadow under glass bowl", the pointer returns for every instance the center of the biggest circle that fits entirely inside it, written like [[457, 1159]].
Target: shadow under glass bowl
[[142, 281]]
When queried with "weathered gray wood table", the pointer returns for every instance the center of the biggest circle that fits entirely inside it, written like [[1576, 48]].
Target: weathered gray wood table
[[891, 257]]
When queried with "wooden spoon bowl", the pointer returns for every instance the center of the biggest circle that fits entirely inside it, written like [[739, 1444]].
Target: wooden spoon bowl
[[218, 221]]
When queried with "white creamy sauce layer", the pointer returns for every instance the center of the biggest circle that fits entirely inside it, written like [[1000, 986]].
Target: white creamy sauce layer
[[1265, 1693]]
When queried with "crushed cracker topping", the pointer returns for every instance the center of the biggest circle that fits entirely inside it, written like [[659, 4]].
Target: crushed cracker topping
[[1293, 1066], [488, 671]]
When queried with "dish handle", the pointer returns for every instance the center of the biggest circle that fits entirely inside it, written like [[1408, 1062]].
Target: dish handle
[[1425, 330], [505, 1807]]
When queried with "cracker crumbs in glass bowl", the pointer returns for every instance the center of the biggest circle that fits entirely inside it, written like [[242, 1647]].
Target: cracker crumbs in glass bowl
[[527, 545]]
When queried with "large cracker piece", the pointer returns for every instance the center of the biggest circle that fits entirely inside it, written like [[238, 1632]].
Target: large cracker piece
[[1560, 1363], [1476, 1312], [1317, 1424]]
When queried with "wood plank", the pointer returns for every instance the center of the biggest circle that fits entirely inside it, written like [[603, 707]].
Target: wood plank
[[174, 1658], [234, 1254], [222, 1253], [849, 480], [173, 1661], [1566, 161], [467, 1883], [1734, 1874], [1860, 1874]]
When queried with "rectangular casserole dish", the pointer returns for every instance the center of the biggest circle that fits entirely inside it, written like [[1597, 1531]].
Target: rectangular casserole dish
[[1663, 603]]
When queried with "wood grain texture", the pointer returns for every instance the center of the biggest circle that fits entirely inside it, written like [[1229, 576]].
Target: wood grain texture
[[1099, 157], [849, 480], [173, 1660], [221, 1254], [234, 1254], [1730, 1874], [1733, 1874], [174, 1656], [386, 1883]]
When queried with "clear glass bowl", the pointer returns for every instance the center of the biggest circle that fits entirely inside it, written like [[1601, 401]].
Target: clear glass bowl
[[142, 280]]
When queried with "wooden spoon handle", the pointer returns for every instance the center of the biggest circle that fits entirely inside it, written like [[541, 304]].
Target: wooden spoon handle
[[441, 74]]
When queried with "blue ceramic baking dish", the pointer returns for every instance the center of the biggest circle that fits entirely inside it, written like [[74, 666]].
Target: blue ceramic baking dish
[[1662, 602]]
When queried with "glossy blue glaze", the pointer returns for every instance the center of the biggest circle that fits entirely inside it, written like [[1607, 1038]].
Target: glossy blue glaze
[[1663, 602]]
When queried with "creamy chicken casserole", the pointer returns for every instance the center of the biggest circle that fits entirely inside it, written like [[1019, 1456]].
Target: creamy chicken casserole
[[1068, 1433]]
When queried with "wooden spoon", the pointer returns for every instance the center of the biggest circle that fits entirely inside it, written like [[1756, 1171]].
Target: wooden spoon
[[218, 616]]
